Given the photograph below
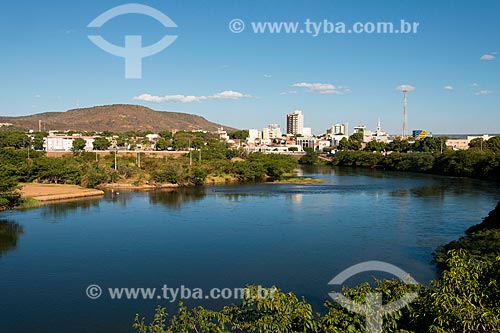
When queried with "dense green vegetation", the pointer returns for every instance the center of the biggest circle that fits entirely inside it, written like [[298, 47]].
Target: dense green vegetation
[[463, 163], [213, 158], [310, 158], [466, 298], [428, 155], [22, 161]]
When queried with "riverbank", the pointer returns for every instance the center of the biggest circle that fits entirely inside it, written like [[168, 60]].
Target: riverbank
[[128, 186], [298, 181], [463, 163], [55, 192]]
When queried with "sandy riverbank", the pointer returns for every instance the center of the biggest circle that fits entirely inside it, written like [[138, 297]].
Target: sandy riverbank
[[51, 192]]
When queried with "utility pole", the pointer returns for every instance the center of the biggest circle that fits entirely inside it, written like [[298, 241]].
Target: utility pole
[[116, 153], [138, 159], [190, 157]]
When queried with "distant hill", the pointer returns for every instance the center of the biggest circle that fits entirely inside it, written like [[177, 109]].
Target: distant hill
[[115, 118]]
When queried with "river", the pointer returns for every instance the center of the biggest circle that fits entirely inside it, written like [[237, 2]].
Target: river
[[297, 237]]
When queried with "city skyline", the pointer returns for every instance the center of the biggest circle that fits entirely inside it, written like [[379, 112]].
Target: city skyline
[[248, 80]]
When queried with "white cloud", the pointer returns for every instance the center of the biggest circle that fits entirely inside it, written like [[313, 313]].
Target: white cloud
[[37, 96], [405, 87], [227, 94], [487, 57], [479, 91], [268, 76], [323, 88], [448, 88], [288, 92]]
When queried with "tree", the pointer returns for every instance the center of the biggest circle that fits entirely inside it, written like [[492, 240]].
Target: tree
[[240, 135], [198, 176], [121, 141], [197, 143], [344, 144], [355, 141], [494, 144], [293, 149], [162, 144], [375, 146], [357, 137], [78, 145], [399, 146], [166, 134], [38, 140], [430, 144], [9, 195], [101, 143], [478, 144], [354, 145], [310, 158], [13, 138], [180, 143]]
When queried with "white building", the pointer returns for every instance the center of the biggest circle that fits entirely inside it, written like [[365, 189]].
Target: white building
[[222, 134], [272, 132], [153, 137], [335, 139], [305, 142], [307, 131], [253, 134], [379, 135], [65, 143], [369, 135], [339, 129], [485, 137]]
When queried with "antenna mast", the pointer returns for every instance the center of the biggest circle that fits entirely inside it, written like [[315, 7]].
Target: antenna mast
[[404, 136]]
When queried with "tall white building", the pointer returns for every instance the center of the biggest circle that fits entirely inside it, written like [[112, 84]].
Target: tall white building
[[295, 123]]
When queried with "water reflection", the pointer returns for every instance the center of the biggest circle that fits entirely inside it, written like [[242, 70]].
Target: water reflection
[[61, 209], [295, 199], [177, 197], [9, 235]]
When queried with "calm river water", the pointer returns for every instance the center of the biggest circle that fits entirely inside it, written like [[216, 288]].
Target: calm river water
[[297, 237]]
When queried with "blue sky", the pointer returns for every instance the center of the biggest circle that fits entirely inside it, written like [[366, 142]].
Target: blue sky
[[49, 64]]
